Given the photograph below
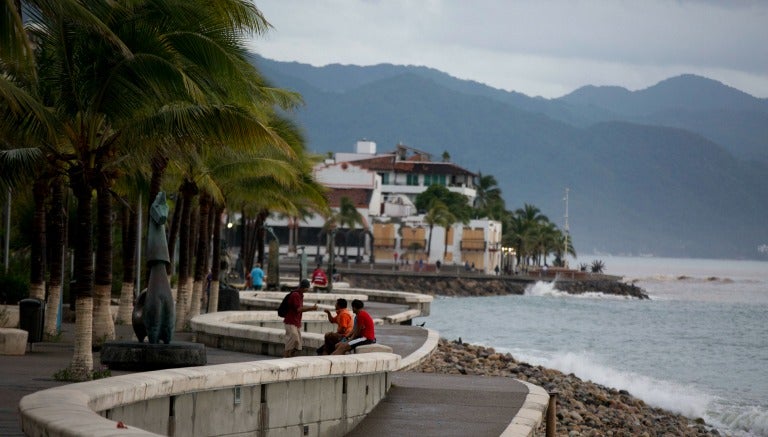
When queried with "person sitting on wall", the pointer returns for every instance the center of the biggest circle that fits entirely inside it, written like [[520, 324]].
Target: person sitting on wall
[[343, 319], [363, 332], [336, 275], [319, 278]]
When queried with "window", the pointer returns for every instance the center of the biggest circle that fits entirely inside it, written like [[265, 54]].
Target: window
[[384, 178], [412, 179], [434, 179]]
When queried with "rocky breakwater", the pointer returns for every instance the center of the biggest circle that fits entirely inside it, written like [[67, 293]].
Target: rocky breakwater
[[583, 408], [602, 285], [478, 285]]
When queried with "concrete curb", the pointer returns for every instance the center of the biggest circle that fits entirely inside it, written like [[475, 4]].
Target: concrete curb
[[422, 353], [528, 419]]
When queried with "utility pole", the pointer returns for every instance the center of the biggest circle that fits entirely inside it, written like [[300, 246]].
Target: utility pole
[[565, 249]]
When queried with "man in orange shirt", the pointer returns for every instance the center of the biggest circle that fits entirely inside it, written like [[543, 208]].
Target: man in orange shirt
[[343, 319]]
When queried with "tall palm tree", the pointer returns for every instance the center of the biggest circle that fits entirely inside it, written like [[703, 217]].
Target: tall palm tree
[[56, 240], [436, 216], [488, 201], [348, 215]]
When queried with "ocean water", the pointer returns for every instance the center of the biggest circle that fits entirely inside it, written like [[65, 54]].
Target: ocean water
[[698, 347]]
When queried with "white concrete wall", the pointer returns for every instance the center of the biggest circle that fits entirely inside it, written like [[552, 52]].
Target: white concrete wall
[[326, 396]]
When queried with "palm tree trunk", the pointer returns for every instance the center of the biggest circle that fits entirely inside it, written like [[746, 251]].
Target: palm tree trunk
[[445, 245], [202, 252], [82, 359], [185, 230], [429, 241], [194, 231], [213, 299], [57, 237], [261, 234], [173, 235], [159, 163], [129, 222], [37, 272], [103, 325]]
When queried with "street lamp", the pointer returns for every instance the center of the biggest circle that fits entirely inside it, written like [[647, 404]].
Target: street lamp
[[302, 264], [331, 255]]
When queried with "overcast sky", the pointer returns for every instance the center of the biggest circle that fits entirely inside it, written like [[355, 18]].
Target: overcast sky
[[537, 47]]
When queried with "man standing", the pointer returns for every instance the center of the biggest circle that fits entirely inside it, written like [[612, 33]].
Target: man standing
[[363, 332], [257, 277], [292, 319], [343, 319]]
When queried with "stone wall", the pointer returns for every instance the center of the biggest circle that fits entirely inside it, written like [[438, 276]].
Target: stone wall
[[447, 285]]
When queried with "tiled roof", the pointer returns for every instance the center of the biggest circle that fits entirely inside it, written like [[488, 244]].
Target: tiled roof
[[360, 197], [389, 163]]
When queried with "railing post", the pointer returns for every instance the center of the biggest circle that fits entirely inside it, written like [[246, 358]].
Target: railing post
[[552, 415]]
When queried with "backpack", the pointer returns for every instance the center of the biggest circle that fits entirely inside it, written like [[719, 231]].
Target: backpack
[[282, 310]]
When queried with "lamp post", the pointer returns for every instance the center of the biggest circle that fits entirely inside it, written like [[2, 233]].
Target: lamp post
[[331, 256], [302, 264], [565, 248]]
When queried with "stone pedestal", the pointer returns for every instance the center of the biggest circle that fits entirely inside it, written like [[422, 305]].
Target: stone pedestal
[[134, 356], [13, 341]]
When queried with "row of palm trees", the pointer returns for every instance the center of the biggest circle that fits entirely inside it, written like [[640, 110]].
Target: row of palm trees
[[112, 102], [526, 230], [529, 232]]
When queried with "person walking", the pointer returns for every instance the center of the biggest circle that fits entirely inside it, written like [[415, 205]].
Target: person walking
[[257, 277]]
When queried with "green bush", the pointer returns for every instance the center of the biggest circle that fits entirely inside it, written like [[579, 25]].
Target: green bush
[[13, 288]]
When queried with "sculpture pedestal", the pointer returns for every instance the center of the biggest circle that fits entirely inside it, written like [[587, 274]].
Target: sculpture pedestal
[[134, 356]]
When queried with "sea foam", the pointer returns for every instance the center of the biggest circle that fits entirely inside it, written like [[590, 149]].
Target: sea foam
[[542, 288], [685, 400]]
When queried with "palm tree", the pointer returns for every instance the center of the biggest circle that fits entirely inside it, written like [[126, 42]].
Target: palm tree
[[447, 220], [563, 246], [350, 216], [488, 201], [436, 216]]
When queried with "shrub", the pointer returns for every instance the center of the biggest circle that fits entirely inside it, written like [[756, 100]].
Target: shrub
[[13, 288]]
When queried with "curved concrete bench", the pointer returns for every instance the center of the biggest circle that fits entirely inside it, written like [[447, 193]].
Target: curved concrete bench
[[13, 341], [228, 330], [294, 396], [375, 347]]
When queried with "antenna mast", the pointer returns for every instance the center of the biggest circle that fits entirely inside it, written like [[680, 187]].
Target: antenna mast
[[565, 248]]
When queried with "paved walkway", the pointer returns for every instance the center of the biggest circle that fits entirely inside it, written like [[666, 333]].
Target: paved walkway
[[430, 404]]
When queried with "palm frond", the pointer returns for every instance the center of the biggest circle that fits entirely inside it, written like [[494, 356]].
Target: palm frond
[[18, 166]]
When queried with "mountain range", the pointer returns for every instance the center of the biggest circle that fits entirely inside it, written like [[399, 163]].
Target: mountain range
[[678, 169]]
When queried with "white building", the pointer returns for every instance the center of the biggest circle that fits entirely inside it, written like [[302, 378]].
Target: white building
[[383, 188]]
